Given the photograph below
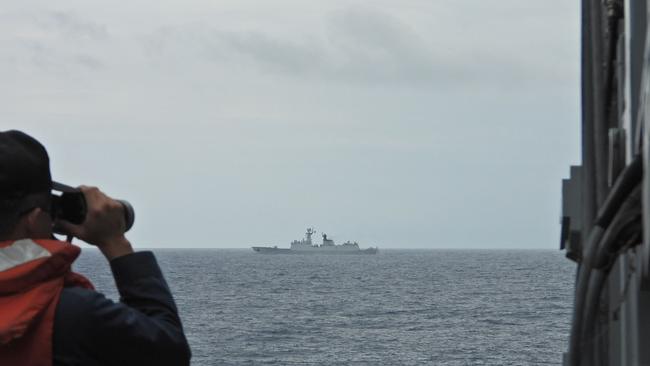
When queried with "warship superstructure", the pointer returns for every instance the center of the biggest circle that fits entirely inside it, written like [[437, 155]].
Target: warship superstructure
[[306, 246], [606, 199]]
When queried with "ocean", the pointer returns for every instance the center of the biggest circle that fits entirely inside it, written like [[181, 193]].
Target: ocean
[[400, 307]]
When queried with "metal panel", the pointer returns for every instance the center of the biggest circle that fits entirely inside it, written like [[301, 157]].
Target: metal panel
[[572, 211], [616, 154], [628, 314], [643, 111], [615, 282], [636, 15]]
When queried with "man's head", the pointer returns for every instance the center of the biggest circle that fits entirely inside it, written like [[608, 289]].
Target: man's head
[[25, 186]]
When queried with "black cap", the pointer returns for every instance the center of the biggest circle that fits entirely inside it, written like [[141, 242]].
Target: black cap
[[24, 166]]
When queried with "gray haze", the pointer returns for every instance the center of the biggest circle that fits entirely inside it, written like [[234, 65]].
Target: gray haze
[[400, 124]]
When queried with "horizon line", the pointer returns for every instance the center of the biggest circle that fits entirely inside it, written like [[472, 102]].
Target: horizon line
[[380, 249]]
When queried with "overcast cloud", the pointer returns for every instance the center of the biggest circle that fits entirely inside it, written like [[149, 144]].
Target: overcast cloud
[[430, 124]]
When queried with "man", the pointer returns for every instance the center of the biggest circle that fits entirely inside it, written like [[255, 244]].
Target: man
[[52, 316]]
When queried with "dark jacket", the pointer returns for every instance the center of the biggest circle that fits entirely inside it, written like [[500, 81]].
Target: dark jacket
[[142, 329]]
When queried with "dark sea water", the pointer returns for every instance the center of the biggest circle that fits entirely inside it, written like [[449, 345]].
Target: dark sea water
[[400, 307]]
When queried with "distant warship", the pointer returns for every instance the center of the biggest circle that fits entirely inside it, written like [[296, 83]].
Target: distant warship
[[305, 246]]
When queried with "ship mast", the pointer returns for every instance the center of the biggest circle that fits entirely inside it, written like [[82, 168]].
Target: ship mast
[[308, 234]]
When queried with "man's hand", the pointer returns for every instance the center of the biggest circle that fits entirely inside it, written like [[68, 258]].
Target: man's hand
[[104, 225]]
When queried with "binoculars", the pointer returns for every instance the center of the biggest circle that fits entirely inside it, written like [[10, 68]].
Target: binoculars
[[71, 206]]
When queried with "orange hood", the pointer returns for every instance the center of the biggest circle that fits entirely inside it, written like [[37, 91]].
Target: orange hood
[[32, 275]]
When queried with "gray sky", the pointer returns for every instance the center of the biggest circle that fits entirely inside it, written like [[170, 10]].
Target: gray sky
[[399, 124]]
